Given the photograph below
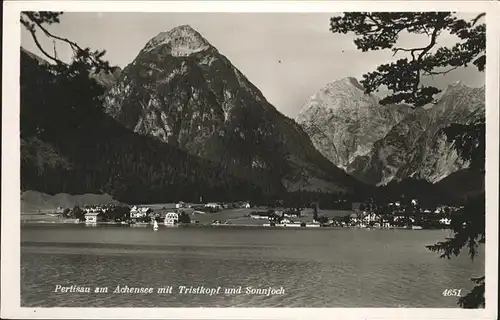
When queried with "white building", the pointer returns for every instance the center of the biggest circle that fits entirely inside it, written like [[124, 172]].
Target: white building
[[385, 223], [354, 218], [171, 218], [180, 205], [445, 221], [371, 217], [291, 215], [213, 205], [259, 216], [139, 212], [94, 209], [403, 218], [442, 209], [93, 217]]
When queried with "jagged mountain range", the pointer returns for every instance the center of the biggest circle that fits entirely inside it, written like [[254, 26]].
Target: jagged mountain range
[[378, 144], [184, 92], [343, 122]]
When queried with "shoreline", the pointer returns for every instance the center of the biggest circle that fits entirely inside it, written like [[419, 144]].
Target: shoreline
[[198, 225]]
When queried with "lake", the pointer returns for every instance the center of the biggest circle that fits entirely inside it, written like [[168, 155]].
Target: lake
[[320, 267]]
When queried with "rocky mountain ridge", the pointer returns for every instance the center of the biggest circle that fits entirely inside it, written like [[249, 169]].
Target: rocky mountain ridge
[[107, 80], [344, 122], [378, 144], [182, 91], [422, 148], [181, 41]]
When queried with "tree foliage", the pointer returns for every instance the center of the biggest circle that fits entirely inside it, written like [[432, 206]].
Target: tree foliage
[[77, 213], [84, 60], [469, 230], [59, 88], [403, 77], [184, 218], [469, 141]]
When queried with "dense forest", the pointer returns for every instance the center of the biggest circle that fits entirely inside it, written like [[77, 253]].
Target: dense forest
[[69, 145]]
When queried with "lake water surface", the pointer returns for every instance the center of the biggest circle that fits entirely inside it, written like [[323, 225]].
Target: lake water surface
[[315, 267]]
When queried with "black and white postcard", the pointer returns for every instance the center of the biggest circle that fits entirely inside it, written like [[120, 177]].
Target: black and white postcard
[[249, 160]]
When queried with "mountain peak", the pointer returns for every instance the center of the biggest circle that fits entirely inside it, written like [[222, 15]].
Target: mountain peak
[[457, 84], [182, 40], [185, 31], [343, 122], [184, 27], [345, 83], [454, 87], [339, 93], [354, 82]]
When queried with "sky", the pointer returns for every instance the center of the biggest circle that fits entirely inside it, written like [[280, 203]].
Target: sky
[[288, 56]]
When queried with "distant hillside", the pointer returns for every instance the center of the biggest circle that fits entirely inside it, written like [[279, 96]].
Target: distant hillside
[[463, 184], [34, 57], [427, 193], [32, 201]]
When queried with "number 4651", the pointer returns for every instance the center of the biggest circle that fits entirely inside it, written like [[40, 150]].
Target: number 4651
[[452, 292]]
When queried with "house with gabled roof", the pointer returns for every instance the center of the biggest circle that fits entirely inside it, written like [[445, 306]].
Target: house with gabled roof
[[139, 212], [93, 217]]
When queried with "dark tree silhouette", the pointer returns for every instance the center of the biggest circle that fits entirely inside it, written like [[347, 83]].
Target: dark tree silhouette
[[378, 31], [184, 218], [403, 77], [35, 21], [77, 213]]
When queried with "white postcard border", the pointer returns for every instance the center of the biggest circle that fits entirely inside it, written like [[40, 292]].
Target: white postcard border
[[10, 253]]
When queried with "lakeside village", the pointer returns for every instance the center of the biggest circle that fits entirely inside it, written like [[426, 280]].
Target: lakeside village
[[362, 215]]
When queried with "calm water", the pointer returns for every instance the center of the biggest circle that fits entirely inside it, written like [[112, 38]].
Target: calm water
[[316, 268]]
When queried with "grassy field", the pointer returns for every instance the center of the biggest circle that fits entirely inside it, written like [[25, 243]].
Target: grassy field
[[44, 218], [35, 217], [232, 216], [237, 216]]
